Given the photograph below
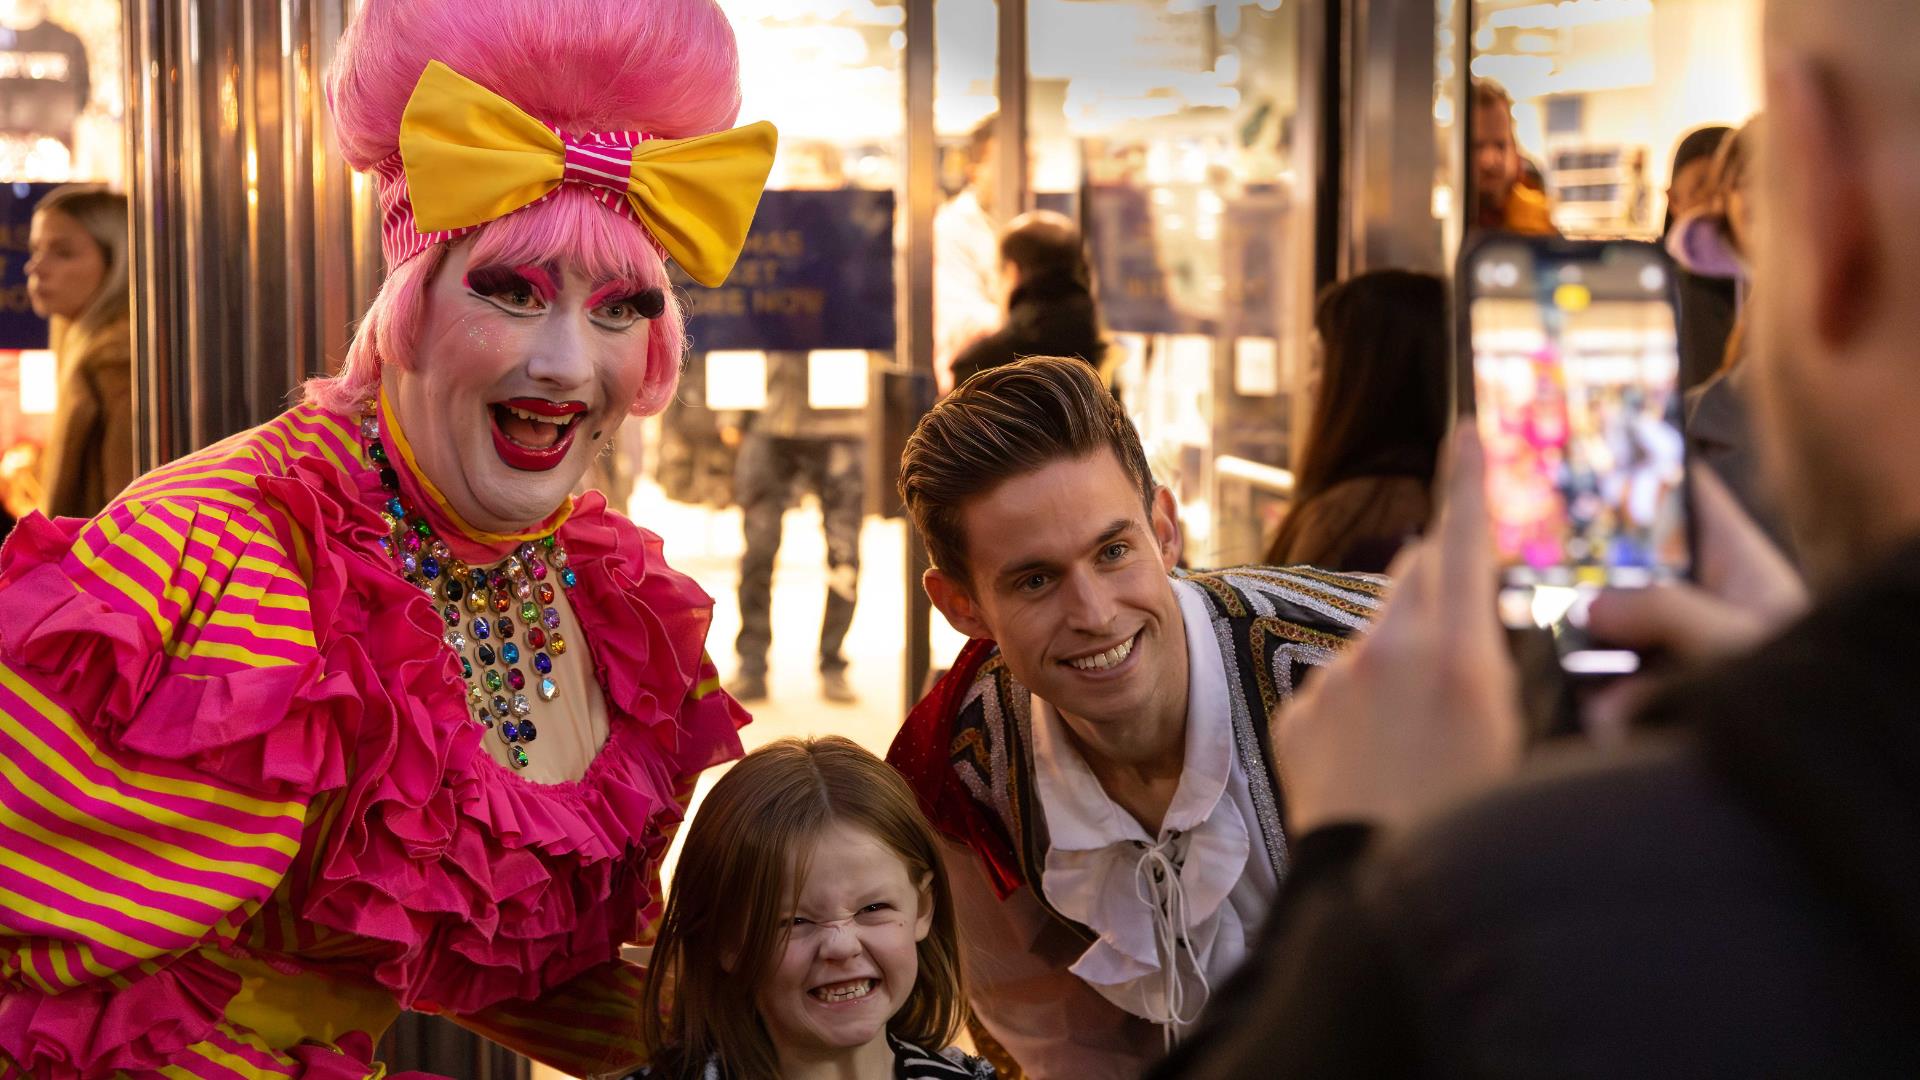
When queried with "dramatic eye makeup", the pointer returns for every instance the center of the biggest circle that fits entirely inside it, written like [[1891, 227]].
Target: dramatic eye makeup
[[514, 289], [620, 304]]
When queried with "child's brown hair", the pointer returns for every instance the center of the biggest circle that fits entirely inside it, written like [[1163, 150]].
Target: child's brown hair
[[724, 922]]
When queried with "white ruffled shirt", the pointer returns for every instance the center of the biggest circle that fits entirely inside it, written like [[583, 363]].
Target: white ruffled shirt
[[1177, 912]]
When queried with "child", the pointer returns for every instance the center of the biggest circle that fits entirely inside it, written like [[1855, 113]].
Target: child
[[810, 931]]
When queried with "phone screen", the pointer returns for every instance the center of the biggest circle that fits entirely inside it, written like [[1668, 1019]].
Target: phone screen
[[1576, 390]]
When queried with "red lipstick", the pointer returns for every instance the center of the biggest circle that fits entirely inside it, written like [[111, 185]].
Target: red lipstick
[[528, 458]]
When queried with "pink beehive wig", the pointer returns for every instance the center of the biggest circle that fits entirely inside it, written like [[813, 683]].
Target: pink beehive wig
[[669, 67]]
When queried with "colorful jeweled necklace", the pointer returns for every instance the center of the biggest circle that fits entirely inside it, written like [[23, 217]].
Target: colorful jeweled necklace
[[492, 643]]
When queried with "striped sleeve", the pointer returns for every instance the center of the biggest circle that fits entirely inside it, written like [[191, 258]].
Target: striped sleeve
[[134, 665], [588, 1027]]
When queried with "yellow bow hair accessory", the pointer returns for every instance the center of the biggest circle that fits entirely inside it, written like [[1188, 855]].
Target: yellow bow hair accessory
[[471, 156]]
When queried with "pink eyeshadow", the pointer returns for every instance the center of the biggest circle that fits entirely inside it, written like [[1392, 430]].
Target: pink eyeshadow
[[540, 279], [613, 290]]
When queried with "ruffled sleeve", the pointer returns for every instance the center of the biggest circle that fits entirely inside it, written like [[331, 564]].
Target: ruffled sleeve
[[156, 777]]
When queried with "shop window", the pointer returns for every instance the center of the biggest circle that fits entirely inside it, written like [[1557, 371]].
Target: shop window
[[62, 101]]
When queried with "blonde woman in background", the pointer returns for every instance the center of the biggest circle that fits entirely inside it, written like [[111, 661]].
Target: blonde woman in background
[[77, 278]]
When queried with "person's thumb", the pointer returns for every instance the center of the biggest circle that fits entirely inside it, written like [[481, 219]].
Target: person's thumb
[[1678, 619]]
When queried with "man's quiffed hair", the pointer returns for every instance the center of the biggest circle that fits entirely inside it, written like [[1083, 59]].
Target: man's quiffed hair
[[1002, 423]]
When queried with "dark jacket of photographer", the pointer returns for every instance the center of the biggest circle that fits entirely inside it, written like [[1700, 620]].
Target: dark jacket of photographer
[[1736, 896]]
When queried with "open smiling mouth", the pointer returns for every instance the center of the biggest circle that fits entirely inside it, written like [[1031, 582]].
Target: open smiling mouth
[[1107, 660], [534, 434], [842, 992]]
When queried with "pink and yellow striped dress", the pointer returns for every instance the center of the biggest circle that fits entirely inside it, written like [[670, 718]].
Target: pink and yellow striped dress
[[245, 819]]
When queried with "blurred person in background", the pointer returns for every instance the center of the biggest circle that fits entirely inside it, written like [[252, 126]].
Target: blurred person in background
[[790, 440], [1706, 302], [1729, 890], [1379, 413], [966, 245], [1501, 198], [1713, 242], [1049, 305], [77, 279]]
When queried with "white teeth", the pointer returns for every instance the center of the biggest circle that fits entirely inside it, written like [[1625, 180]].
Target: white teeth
[[557, 421], [849, 992], [1105, 660]]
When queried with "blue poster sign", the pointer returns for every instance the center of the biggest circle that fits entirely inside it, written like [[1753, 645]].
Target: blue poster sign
[[816, 273], [20, 328]]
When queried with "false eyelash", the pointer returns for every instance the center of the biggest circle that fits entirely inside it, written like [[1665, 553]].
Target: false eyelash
[[650, 303], [491, 280]]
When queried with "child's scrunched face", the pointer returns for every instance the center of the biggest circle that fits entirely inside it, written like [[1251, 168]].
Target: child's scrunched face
[[849, 962]]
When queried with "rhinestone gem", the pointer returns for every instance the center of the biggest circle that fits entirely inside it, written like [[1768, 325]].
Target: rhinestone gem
[[546, 593], [526, 551], [538, 570], [476, 699], [529, 611], [515, 680], [494, 681], [517, 756], [389, 521], [497, 582], [547, 541], [476, 578], [395, 508], [477, 601], [559, 558], [510, 653], [386, 547], [466, 668], [456, 640], [439, 550], [389, 479], [451, 614], [513, 566], [410, 563], [557, 646], [421, 528], [501, 601], [526, 731], [503, 628], [376, 453], [484, 654], [523, 589], [568, 577], [453, 589], [510, 731], [430, 566], [426, 588], [482, 629], [541, 663], [486, 721], [548, 689], [370, 428], [536, 637], [550, 618], [499, 705], [521, 706], [411, 543]]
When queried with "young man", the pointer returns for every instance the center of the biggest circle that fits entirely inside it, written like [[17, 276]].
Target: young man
[[1731, 893], [1098, 754]]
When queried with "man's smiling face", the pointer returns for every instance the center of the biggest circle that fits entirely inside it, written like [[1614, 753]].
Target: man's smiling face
[[1067, 571]]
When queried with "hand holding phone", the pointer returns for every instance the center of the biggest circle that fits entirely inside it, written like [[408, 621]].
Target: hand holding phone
[[1575, 384]]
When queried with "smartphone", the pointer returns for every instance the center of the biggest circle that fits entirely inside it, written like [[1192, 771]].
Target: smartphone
[[1574, 384]]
